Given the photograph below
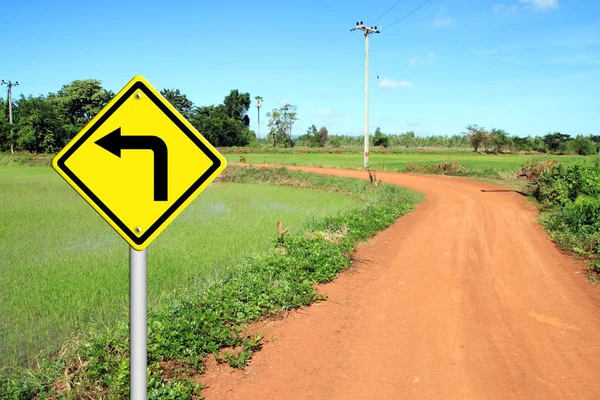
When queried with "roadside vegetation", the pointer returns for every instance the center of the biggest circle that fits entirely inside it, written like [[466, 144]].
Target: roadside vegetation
[[210, 315], [569, 201]]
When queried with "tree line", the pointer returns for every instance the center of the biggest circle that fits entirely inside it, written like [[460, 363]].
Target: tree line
[[46, 123], [479, 139]]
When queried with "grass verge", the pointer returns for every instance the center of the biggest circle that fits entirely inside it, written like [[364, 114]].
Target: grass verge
[[212, 315]]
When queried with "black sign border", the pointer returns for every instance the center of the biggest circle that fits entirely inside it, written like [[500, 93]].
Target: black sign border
[[216, 163]]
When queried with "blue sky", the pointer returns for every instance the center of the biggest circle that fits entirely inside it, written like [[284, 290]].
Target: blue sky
[[527, 66]]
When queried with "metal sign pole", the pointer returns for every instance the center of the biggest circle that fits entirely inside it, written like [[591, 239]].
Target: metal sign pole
[[138, 324]]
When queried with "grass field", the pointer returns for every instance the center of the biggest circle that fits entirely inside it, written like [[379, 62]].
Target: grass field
[[63, 268], [398, 162]]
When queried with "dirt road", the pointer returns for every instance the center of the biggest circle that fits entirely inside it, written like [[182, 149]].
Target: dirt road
[[465, 298]]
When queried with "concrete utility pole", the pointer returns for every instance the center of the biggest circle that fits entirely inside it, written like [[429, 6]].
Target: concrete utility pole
[[10, 86], [368, 30], [258, 106]]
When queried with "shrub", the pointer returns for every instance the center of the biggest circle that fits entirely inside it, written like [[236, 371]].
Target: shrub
[[562, 184]]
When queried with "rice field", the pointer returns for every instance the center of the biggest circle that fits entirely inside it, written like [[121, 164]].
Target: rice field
[[398, 161], [63, 269]]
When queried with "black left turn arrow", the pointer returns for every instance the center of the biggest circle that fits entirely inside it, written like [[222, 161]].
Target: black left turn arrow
[[114, 142]]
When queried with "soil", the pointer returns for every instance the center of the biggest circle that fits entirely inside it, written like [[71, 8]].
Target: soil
[[464, 298]]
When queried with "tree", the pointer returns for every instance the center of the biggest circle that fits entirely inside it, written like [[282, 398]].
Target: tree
[[476, 136], [220, 129], [289, 116], [309, 139], [5, 132], [596, 140], [277, 127], [583, 145], [81, 100], [314, 137], [323, 136], [280, 125], [237, 105], [500, 139], [380, 139], [555, 140], [39, 126], [179, 101]]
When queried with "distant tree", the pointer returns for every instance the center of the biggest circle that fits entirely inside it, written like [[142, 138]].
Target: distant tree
[[310, 138], [179, 101], [237, 105], [220, 129], [5, 134], [583, 146], [289, 115], [500, 139], [323, 136], [39, 126], [314, 137], [380, 139], [521, 143], [555, 140], [80, 101], [280, 125], [596, 140], [277, 128], [476, 136]]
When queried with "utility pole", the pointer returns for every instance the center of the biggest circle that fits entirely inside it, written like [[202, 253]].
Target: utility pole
[[258, 106], [368, 30], [10, 86]]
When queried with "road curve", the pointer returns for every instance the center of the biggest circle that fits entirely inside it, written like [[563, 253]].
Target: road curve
[[464, 298]]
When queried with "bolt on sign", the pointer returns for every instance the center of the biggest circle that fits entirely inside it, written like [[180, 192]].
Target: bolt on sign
[[139, 163]]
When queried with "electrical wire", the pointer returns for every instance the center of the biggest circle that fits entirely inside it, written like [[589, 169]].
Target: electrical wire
[[391, 8], [406, 16]]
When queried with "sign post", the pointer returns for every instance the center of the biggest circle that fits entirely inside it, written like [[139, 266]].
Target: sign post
[[138, 324], [139, 163]]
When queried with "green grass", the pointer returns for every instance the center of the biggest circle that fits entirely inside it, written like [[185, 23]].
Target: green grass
[[398, 162], [210, 316], [63, 268]]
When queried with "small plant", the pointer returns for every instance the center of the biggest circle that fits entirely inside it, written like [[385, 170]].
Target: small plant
[[243, 159]]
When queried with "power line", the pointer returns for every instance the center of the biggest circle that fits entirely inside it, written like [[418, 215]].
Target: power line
[[391, 8], [407, 15]]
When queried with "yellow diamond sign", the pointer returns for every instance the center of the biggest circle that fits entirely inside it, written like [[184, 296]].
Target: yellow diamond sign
[[139, 163]]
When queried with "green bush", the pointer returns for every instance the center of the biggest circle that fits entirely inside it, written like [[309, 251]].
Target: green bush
[[562, 184], [569, 196]]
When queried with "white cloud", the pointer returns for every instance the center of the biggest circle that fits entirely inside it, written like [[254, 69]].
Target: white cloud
[[391, 84], [441, 19], [413, 123], [504, 8], [541, 4], [414, 60]]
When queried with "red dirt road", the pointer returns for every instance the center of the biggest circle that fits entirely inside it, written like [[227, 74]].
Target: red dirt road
[[464, 298]]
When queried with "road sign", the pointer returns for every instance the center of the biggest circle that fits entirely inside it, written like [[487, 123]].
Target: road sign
[[139, 163]]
